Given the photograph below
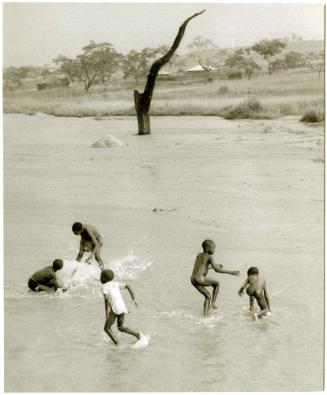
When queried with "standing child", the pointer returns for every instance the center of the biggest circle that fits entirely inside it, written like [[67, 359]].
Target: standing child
[[204, 261], [91, 240], [115, 306], [256, 289]]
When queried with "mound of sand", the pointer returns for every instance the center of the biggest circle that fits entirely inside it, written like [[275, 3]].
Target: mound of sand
[[107, 141]]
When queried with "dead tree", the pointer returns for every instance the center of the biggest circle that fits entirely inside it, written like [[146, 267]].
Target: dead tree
[[143, 100]]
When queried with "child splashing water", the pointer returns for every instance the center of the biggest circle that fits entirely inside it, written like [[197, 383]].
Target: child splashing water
[[115, 306]]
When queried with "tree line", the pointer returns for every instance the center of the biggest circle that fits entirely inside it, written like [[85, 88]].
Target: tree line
[[97, 62]]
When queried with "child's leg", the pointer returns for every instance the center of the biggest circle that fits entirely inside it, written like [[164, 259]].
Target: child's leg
[[207, 296], [214, 295], [107, 326], [41, 287], [262, 313], [215, 285], [122, 328]]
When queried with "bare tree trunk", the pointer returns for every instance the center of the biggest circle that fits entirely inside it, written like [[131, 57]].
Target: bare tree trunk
[[143, 118], [143, 100]]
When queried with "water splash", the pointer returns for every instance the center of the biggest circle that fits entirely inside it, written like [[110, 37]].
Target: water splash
[[208, 322]]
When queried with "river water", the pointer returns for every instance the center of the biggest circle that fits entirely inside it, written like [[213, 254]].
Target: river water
[[255, 187]]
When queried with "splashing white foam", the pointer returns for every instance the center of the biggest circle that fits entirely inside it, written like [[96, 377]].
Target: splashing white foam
[[128, 267], [209, 321], [84, 280]]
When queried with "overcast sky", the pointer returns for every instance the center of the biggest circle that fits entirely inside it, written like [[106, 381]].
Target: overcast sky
[[35, 33]]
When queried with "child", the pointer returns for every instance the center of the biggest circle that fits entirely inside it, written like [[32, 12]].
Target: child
[[115, 306], [204, 261], [45, 279], [256, 289], [90, 241]]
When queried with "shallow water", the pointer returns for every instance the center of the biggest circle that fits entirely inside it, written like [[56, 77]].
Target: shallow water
[[255, 187]]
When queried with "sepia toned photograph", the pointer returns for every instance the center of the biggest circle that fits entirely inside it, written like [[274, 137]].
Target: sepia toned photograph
[[163, 189]]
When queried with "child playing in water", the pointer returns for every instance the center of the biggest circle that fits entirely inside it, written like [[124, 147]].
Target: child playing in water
[[115, 306], [45, 279], [256, 289], [204, 261], [91, 241]]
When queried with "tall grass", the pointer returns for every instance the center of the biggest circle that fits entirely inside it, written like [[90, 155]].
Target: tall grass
[[288, 93]]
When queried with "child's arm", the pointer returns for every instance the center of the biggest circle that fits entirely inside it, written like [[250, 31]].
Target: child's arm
[[55, 282], [107, 305], [129, 289], [243, 287], [80, 253], [219, 269], [266, 296], [251, 303]]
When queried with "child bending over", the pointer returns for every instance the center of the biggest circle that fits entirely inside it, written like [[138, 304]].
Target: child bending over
[[256, 289]]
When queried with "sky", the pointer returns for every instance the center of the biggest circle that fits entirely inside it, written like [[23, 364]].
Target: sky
[[36, 33]]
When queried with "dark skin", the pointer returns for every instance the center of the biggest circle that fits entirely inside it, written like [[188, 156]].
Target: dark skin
[[203, 262], [90, 241], [111, 318], [256, 288], [46, 279]]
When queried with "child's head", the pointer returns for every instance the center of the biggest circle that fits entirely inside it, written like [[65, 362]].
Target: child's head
[[57, 264], [106, 276], [209, 246], [77, 228], [253, 271]]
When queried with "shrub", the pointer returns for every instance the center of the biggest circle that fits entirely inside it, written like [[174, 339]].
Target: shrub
[[223, 90], [251, 109], [312, 116], [235, 76]]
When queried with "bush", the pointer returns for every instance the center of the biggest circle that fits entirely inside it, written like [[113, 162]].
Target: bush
[[223, 90], [235, 76], [312, 116], [251, 109]]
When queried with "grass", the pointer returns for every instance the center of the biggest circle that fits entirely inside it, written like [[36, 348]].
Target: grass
[[285, 93], [249, 109], [312, 116]]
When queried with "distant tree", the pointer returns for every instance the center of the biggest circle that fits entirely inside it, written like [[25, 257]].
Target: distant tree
[[45, 72], [143, 100], [294, 60], [242, 59], [278, 64], [316, 61], [137, 64], [16, 74], [96, 64], [268, 49], [70, 67], [206, 53], [295, 37]]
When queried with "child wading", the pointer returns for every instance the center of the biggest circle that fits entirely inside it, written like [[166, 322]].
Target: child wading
[[204, 261], [256, 288], [115, 306]]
